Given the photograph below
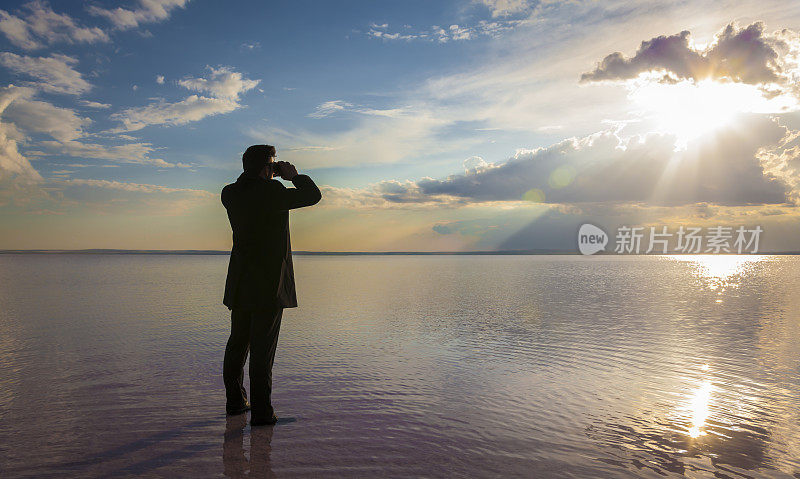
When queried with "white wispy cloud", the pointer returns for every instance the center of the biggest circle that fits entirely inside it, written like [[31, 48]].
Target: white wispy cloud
[[85, 165], [94, 104], [36, 116], [447, 33], [138, 153], [193, 108], [37, 25], [137, 187], [503, 8], [125, 198], [329, 108], [148, 11], [56, 72], [223, 84]]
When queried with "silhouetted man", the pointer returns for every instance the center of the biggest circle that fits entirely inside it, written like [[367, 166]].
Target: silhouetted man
[[260, 280]]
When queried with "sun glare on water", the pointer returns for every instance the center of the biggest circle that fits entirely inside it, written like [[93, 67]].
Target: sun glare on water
[[699, 408], [690, 110], [720, 267]]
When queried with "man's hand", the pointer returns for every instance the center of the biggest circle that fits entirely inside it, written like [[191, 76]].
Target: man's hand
[[286, 170]]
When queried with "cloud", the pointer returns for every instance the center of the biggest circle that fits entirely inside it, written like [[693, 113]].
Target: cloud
[[136, 153], [137, 187], [223, 84], [149, 11], [20, 183], [474, 227], [160, 79], [127, 153], [13, 166], [474, 164], [37, 116], [503, 8], [445, 34], [55, 72], [328, 108], [606, 168], [386, 195], [94, 104], [23, 116], [193, 108], [37, 25], [745, 55], [783, 162], [125, 198], [378, 31]]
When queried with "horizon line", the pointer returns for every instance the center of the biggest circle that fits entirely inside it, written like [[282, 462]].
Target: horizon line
[[364, 253]]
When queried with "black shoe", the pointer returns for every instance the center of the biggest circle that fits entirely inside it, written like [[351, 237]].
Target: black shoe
[[234, 411], [264, 422]]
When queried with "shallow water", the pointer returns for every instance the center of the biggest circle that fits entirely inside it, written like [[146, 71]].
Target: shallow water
[[479, 366]]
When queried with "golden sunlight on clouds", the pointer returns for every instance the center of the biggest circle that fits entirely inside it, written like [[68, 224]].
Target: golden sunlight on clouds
[[692, 110]]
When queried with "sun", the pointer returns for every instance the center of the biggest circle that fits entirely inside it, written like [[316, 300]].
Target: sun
[[693, 109]]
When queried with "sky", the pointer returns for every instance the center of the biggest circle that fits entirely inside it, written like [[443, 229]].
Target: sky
[[429, 126]]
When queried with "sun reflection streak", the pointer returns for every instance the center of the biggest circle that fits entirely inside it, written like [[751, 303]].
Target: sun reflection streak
[[698, 406], [719, 272], [719, 266]]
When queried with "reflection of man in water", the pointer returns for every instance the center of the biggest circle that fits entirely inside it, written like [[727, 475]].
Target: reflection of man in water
[[234, 462], [260, 280]]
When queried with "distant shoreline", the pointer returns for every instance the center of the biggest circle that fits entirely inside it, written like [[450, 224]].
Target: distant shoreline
[[308, 253], [343, 253]]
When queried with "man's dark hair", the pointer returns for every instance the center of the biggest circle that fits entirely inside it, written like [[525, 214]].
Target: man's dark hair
[[255, 158]]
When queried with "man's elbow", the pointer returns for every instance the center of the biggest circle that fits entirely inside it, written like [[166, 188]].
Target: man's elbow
[[317, 197]]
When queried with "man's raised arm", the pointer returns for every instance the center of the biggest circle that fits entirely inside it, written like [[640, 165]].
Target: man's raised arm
[[305, 192]]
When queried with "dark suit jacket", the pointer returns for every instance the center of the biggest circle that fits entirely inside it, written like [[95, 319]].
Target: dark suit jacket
[[260, 271]]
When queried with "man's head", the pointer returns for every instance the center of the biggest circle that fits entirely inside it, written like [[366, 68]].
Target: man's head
[[256, 157]]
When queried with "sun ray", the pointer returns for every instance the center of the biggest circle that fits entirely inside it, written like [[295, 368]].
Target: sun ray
[[691, 110]]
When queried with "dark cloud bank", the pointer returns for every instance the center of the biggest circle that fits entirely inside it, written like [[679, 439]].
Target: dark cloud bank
[[723, 169], [745, 55]]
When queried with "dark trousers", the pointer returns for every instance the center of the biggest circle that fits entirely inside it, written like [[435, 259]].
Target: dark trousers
[[256, 332]]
